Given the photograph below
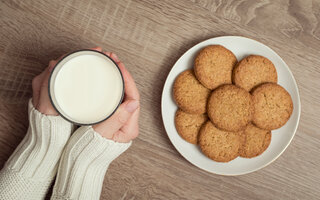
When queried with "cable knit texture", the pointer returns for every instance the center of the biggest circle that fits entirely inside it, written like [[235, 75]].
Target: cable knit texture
[[83, 165], [32, 167]]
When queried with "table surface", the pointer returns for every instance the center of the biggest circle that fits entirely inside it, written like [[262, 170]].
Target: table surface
[[149, 36]]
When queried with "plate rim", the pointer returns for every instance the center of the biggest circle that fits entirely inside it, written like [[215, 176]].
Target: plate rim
[[295, 86]]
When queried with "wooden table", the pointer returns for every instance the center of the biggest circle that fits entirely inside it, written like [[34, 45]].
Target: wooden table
[[149, 36]]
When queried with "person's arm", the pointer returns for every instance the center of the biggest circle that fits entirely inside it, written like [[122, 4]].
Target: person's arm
[[90, 150], [32, 167], [84, 163]]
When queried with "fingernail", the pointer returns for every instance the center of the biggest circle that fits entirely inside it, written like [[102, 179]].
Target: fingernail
[[115, 57], [52, 63], [132, 106], [51, 68], [107, 53], [97, 48]]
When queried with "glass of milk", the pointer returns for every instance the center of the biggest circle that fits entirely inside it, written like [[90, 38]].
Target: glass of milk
[[86, 87]]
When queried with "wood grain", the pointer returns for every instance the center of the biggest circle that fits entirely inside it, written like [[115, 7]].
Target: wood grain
[[149, 36]]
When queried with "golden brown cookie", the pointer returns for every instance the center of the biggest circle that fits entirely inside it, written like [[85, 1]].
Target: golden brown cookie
[[254, 141], [189, 94], [254, 70], [230, 108], [213, 66], [218, 145], [188, 125], [273, 106]]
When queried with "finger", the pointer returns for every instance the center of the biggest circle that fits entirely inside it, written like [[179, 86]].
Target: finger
[[96, 48], [45, 105], [121, 137], [44, 96], [131, 90], [114, 57], [37, 82], [131, 128], [52, 64], [36, 85], [107, 53], [117, 120], [130, 131]]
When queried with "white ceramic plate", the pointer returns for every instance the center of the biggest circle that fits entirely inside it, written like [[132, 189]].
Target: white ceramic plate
[[281, 138]]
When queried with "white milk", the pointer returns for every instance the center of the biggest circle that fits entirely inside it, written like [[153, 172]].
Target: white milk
[[87, 88]]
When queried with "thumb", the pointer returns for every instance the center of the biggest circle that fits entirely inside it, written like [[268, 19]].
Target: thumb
[[117, 120]]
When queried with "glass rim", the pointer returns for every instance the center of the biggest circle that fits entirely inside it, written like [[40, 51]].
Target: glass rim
[[51, 98]]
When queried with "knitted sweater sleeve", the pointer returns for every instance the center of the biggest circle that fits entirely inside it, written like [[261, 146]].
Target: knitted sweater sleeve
[[83, 165], [32, 167]]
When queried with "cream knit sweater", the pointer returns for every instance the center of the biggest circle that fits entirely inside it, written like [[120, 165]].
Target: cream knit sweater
[[80, 160]]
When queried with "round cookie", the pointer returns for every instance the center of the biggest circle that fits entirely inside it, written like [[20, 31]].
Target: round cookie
[[213, 66], [230, 108], [254, 141], [189, 94], [218, 145], [188, 125], [273, 106], [254, 70]]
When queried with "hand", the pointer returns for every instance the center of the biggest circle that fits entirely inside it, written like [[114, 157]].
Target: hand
[[40, 96], [123, 125]]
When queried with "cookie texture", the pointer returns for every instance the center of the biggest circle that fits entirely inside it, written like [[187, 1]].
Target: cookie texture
[[213, 66], [218, 145], [188, 125], [230, 108], [253, 71], [254, 141], [189, 94], [273, 106]]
